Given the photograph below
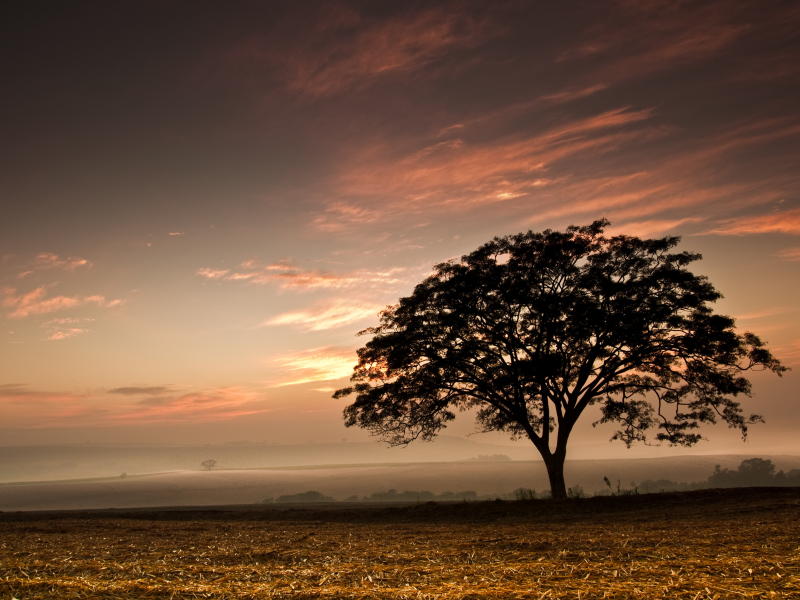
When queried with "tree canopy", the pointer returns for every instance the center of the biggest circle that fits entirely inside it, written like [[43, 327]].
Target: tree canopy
[[532, 329]]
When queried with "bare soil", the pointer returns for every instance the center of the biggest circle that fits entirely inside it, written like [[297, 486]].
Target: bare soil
[[704, 544]]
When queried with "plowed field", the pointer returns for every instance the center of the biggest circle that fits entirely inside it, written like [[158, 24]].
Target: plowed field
[[708, 544]]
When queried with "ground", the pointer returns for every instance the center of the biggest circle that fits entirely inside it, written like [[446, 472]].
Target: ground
[[705, 544]]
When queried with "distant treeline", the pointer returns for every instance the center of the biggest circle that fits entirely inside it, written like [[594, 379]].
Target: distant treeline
[[753, 472], [490, 458]]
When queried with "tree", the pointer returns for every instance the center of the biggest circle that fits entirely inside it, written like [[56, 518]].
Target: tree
[[208, 464], [531, 330]]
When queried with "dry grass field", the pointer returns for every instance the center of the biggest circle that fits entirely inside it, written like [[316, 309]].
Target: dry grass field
[[706, 544]]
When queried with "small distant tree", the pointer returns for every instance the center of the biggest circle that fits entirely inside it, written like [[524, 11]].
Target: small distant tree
[[208, 464], [531, 330]]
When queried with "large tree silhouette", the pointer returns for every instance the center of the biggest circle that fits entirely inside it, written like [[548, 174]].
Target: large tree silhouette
[[534, 328]]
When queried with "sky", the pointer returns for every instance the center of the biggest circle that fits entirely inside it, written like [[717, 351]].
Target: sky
[[204, 202]]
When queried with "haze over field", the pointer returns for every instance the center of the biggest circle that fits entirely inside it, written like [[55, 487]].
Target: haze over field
[[196, 487], [202, 204]]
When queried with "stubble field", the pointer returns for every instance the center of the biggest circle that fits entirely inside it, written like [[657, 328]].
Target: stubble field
[[706, 544]]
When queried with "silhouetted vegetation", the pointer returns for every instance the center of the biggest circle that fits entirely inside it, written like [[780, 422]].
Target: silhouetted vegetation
[[309, 496], [532, 329], [753, 472], [208, 464]]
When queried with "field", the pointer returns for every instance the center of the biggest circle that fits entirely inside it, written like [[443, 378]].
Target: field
[[705, 544]]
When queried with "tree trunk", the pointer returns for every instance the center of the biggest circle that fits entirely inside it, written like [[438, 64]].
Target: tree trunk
[[555, 471]]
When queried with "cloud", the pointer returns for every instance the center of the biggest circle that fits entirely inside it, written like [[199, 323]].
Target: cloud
[[23, 407], [176, 233], [68, 333], [790, 253], [570, 95], [338, 214], [648, 37], [67, 321], [57, 332], [342, 49], [456, 173], [213, 273], [327, 316], [319, 364], [646, 228], [770, 312], [13, 389], [208, 405], [135, 390], [35, 302], [47, 260], [289, 276], [780, 222]]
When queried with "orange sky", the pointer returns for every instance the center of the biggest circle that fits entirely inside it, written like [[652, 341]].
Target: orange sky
[[203, 204]]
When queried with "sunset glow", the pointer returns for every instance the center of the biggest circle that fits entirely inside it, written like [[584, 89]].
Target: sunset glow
[[204, 204]]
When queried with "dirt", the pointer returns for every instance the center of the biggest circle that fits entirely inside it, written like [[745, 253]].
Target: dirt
[[704, 544]]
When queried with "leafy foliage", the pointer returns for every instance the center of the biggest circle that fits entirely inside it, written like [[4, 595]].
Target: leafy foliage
[[530, 330]]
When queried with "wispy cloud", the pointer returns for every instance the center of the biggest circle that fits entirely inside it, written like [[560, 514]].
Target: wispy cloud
[[327, 316], [140, 390], [213, 273], [790, 253], [650, 227], [458, 174], [47, 260], [341, 49], [208, 405], [35, 302], [780, 222], [318, 364], [66, 333], [292, 277], [58, 331], [574, 94], [26, 407]]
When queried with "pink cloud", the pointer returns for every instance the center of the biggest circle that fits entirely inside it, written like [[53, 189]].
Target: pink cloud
[[68, 333], [212, 273], [35, 303], [289, 276], [781, 222], [359, 50], [650, 227], [648, 37], [66, 321], [47, 260], [570, 95], [456, 174], [176, 233], [24, 407], [327, 316], [214, 404]]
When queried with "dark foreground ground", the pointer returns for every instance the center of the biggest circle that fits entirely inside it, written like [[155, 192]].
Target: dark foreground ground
[[705, 544]]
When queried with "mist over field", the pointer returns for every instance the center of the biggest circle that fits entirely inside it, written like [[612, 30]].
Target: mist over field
[[94, 476]]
